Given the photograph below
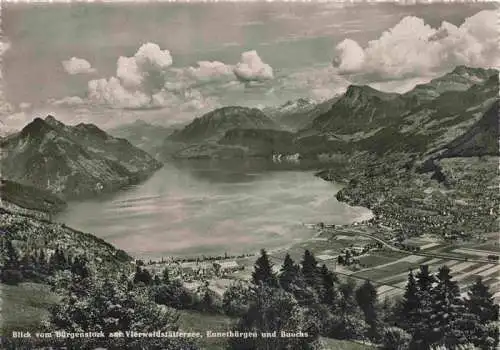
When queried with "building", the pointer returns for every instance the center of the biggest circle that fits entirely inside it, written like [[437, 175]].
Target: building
[[227, 266]]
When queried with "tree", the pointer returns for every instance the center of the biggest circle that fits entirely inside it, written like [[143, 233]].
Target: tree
[[347, 321], [366, 297], [481, 304], [288, 274], [58, 261], [310, 269], [408, 315], [422, 327], [448, 316], [142, 276], [80, 267], [274, 310], [263, 271], [94, 306], [425, 279], [329, 292], [207, 302], [11, 254], [165, 276], [11, 272], [395, 338], [236, 300], [173, 294]]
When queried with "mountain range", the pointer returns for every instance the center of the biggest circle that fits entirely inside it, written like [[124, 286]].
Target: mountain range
[[455, 115], [428, 119], [72, 161]]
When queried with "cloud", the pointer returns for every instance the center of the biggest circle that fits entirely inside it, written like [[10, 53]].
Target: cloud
[[137, 82], [252, 68], [77, 65], [147, 81], [5, 106], [70, 101], [319, 83], [4, 46], [211, 70], [349, 56], [146, 69], [111, 92], [24, 105], [413, 48]]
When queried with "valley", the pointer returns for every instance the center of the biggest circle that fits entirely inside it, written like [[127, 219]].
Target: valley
[[402, 180]]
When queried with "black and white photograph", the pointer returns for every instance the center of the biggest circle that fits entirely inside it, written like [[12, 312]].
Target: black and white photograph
[[249, 175]]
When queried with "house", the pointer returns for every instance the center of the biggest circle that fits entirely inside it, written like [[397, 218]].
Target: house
[[227, 266]]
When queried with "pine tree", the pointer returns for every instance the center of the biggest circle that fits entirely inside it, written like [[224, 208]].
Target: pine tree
[[329, 293], [10, 273], [408, 315], [165, 276], [263, 271], [366, 297], [310, 269], [480, 302], [481, 305], [80, 267], [422, 327], [425, 279], [288, 274], [12, 255], [448, 312], [207, 301]]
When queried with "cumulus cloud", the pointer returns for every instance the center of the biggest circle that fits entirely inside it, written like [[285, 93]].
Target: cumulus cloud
[[211, 70], [252, 68], [138, 79], [413, 48], [77, 65], [349, 56], [111, 92], [147, 81], [146, 69]]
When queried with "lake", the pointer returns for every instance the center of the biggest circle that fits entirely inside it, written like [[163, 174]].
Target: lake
[[211, 207]]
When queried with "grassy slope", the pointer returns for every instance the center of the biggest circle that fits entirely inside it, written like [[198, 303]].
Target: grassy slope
[[24, 306], [198, 322], [335, 344]]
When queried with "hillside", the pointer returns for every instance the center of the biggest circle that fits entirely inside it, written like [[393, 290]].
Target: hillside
[[200, 138], [213, 125], [72, 161], [365, 120], [460, 79], [361, 108], [481, 139], [260, 142], [29, 198]]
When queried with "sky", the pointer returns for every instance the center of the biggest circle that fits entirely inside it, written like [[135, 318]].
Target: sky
[[111, 64]]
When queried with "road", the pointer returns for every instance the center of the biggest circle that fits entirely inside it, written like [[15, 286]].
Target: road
[[420, 253]]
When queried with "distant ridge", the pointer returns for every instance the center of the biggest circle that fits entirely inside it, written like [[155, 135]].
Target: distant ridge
[[72, 161]]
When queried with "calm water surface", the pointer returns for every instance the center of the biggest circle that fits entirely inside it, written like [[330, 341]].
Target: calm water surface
[[212, 207]]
